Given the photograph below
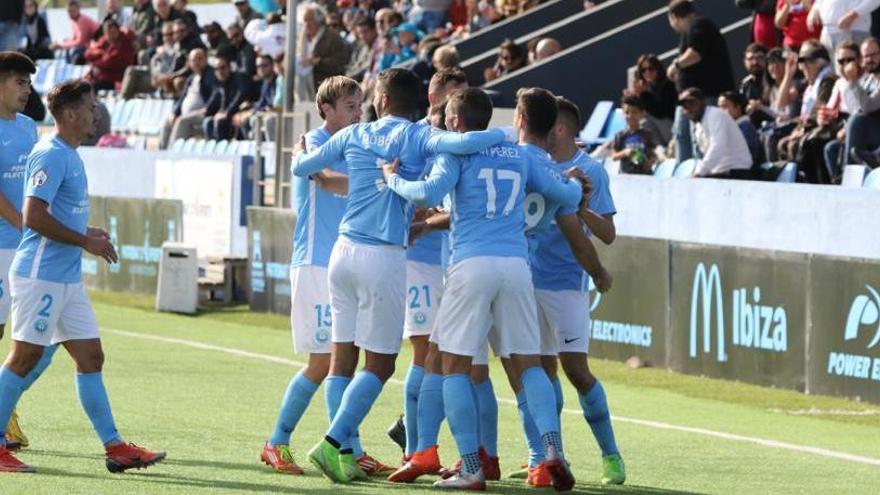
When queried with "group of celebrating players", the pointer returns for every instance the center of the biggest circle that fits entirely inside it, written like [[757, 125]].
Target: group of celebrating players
[[419, 230], [441, 231]]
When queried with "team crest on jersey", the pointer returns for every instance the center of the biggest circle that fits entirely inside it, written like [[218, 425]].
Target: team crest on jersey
[[41, 325], [40, 178], [322, 335], [420, 318]]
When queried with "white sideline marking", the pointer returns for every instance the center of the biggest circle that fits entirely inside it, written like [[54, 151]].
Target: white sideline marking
[[775, 444]]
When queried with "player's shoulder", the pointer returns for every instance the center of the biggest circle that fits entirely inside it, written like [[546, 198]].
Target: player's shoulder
[[50, 152], [25, 121]]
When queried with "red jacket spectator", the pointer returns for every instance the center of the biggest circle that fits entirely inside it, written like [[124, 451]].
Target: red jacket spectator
[[110, 56], [458, 14], [791, 18]]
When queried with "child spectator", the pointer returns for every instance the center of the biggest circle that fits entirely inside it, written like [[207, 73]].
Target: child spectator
[[634, 146], [734, 104]]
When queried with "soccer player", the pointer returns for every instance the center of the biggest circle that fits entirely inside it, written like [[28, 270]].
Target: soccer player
[[367, 267], [18, 135], [318, 215], [489, 281], [49, 301], [561, 291]]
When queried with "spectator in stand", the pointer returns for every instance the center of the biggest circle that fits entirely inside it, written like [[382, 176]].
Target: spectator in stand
[[322, 53], [724, 153], [229, 94], [546, 48], [160, 73], [142, 18], [162, 14], [11, 12], [458, 14], [110, 56], [763, 30], [734, 103], [186, 38], [406, 43], [245, 13], [657, 95], [445, 57], [842, 20], [634, 146], [37, 32], [268, 79], [769, 104], [218, 42], [428, 15], [482, 13], [102, 120], [84, 28], [791, 19], [511, 57], [243, 55], [115, 10], [755, 86], [703, 62], [269, 37], [189, 109], [510, 8], [863, 128], [187, 15], [362, 56]]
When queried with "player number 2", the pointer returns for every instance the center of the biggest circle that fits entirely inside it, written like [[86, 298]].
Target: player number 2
[[414, 293], [47, 300], [490, 175]]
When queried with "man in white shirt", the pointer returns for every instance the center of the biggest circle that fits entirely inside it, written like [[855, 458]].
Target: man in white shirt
[[719, 140], [841, 20]]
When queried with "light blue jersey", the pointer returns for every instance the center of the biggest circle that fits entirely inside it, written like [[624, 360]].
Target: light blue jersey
[[318, 212], [487, 190], [375, 215], [554, 267], [17, 138], [56, 175]]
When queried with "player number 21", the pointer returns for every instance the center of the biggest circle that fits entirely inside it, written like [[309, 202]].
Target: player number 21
[[414, 293], [490, 175]]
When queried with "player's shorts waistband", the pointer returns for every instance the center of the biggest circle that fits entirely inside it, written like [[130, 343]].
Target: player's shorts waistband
[[342, 239]]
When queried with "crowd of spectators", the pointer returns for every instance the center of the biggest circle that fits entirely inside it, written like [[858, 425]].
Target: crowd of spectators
[[811, 94]]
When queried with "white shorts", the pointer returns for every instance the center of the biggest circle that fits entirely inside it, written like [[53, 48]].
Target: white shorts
[[45, 313], [6, 256], [367, 292], [310, 316], [564, 317], [486, 291], [424, 284]]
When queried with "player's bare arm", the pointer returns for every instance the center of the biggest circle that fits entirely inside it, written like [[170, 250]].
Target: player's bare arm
[[36, 216], [584, 251]]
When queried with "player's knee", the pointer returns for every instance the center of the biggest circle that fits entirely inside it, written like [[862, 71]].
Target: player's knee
[[22, 360], [579, 374], [317, 371]]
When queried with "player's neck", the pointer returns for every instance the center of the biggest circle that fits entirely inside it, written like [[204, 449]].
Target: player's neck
[[565, 152], [332, 128], [71, 138], [7, 114], [526, 138]]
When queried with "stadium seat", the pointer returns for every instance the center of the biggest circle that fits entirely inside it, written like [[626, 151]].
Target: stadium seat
[[665, 169], [873, 179], [232, 147], [592, 132], [853, 175], [132, 124], [616, 123], [210, 147], [125, 109], [788, 174], [151, 122], [177, 146], [189, 146], [685, 169]]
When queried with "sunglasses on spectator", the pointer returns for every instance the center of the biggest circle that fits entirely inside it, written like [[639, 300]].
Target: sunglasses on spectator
[[648, 69], [846, 60], [263, 66], [871, 55], [804, 60]]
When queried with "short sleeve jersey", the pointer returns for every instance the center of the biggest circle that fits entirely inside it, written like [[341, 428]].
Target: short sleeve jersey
[[17, 139]]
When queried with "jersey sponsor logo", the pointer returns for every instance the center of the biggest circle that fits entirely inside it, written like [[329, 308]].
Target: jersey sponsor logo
[[40, 178], [863, 314], [754, 325]]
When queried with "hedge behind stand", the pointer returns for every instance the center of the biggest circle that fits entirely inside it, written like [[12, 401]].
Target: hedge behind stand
[[137, 227]]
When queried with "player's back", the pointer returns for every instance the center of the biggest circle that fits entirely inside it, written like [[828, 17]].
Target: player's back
[[318, 212]]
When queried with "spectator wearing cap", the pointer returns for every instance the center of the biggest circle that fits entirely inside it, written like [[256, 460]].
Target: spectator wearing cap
[[703, 62], [723, 151], [407, 42], [160, 74], [37, 32], [734, 103], [657, 94], [245, 14], [791, 19], [428, 15], [362, 56], [230, 92], [110, 56], [842, 20], [188, 112], [321, 53], [11, 12], [511, 57], [84, 28]]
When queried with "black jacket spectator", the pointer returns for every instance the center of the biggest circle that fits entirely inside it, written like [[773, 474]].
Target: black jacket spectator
[[229, 95], [714, 73], [206, 87], [38, 38]]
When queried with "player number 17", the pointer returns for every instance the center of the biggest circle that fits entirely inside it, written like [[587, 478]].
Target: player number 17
[[490, 175]]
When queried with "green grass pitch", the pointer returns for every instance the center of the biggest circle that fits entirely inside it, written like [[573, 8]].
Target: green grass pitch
[[206, 389]]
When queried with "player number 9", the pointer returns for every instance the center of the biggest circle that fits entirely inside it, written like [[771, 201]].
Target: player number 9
[[534, 207]]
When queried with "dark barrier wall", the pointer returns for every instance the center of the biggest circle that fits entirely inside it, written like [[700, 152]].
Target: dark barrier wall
[[577, 27], [844, 348], [270, 231], [597, 70], [739, 314], [138, 227], [632, 319]]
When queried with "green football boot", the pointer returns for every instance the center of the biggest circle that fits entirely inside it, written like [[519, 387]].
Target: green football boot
[[325, 457], [351, 469], [613, 470]]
